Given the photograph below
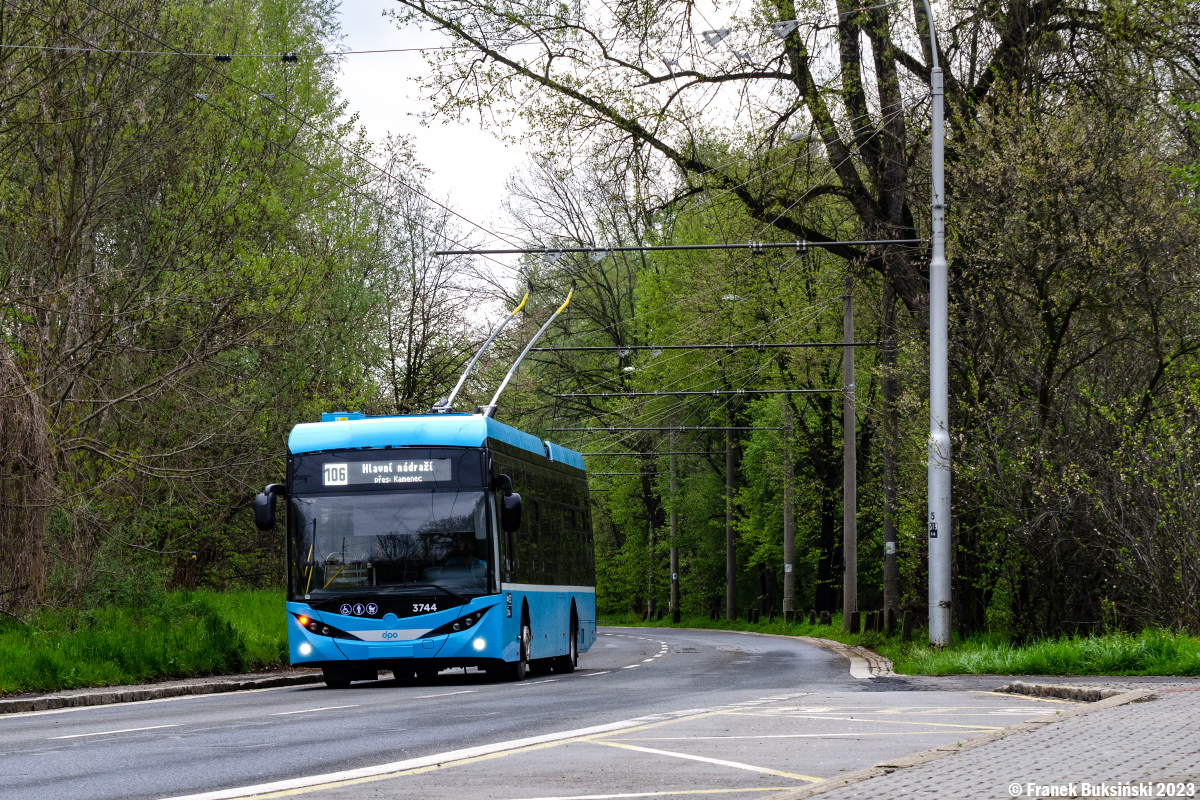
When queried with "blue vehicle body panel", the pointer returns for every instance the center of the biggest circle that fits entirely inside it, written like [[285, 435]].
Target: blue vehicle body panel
[[432, 430], [495, 636], [557, 452], [549, 609]]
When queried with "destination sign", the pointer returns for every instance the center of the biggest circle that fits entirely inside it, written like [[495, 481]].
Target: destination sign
[[378, 473]]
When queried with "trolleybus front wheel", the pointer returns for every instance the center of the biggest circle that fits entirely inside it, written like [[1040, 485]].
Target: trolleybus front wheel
[[517, 670], [336, 678]]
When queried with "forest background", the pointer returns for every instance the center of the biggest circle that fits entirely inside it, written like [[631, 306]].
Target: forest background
[[199, 254]]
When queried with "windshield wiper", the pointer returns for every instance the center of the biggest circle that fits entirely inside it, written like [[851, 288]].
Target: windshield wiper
[[403, 589], [455, 595]]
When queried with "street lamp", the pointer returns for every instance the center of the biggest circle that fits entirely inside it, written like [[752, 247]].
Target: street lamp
[[939, 401]]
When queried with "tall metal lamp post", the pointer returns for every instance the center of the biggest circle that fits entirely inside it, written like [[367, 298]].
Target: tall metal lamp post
[[939, 400]]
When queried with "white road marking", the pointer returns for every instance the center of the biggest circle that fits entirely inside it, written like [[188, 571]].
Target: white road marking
[[590, 674], [106, 733], [718, 761], [444, 694], [437, 759], [311, 710], [792, 736], [631, 666], [663, 794], [135, 703], [647, 660]]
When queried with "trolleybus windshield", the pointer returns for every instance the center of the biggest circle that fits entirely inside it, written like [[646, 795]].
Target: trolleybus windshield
[[350, 542]]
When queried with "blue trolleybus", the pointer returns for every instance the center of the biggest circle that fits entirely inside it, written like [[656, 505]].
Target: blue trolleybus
[[417, 543]]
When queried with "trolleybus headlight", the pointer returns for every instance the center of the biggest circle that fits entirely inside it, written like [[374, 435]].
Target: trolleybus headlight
[[313, 626], [479, 643], [465, 621], [305, 649]]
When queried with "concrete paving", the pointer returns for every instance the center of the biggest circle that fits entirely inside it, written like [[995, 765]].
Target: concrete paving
[[1146, 748], [759, 746]]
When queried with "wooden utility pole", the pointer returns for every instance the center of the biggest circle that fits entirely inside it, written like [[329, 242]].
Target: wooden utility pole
[[849, 463], [674, 549], [789, 522], [730, 550]]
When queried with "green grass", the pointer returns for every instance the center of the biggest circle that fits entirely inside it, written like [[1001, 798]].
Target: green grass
[[181, 634], [1151, 652]]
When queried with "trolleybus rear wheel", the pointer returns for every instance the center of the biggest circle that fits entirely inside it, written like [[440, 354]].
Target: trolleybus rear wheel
[[570, 661], [574, 645]]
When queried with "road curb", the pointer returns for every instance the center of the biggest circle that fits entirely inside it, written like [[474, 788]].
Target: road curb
[[1086, 694], [924, 757], [142, 693]]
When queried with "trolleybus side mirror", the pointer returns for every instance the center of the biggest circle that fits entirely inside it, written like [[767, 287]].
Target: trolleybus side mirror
[[264, 507], [510, 512], [510, 504]]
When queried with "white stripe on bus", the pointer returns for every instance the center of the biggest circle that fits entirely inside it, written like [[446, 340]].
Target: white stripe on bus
[[544, 587]]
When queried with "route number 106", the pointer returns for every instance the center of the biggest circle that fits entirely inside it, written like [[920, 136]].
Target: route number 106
[[335, 475]]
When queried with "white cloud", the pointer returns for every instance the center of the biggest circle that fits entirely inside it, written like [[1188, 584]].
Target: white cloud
[[469, 165]]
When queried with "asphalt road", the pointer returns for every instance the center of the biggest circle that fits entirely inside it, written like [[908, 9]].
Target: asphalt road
[[649, 711]]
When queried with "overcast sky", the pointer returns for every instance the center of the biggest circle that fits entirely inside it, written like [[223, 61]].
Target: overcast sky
[[468, 164]]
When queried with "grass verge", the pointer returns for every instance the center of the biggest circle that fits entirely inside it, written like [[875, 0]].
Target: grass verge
[[180, 635], [1151, 652]]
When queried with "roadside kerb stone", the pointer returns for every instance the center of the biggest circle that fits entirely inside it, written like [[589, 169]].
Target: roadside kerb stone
[[924, 757], [136, 694], [1086, 694]]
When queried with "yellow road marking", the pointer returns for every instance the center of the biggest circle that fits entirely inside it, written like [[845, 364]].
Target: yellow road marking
[[1027, 697], [663, 793], [878, 721]]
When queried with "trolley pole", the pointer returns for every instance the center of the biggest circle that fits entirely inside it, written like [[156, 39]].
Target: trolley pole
[[789, 521], [939, 400], [849, 464]]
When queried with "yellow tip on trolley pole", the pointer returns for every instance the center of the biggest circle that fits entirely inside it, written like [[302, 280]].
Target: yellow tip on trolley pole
[[490, 409], [446, 406]]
